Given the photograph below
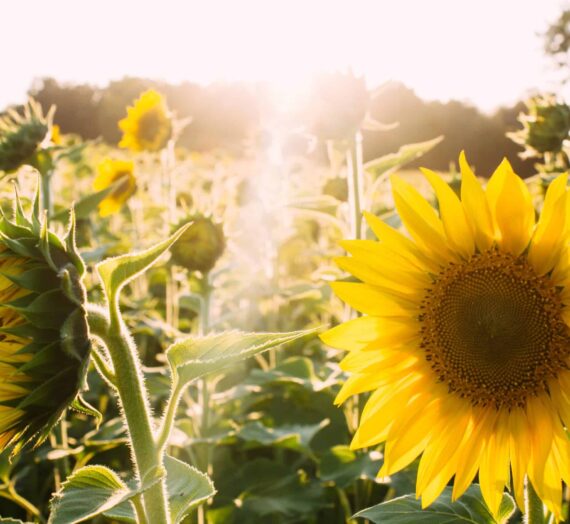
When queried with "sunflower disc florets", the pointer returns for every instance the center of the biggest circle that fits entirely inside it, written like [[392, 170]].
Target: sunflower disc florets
[[44, 337]]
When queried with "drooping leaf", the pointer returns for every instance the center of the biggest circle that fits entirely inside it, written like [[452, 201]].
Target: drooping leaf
[[296, 437], [88, 492], [194, 357], [118, 271], [469, 509], [344, 466], [387, 164]]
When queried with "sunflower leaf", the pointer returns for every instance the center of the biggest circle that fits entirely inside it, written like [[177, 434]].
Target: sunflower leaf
[[194, 357], [187, 488], [88, 492], [118, 271], [387, 164], [470, 508]]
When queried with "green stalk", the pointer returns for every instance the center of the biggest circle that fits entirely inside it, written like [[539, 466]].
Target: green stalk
[[147, 457], [203, 328], [46, 200], [354, 162], [533, 508]]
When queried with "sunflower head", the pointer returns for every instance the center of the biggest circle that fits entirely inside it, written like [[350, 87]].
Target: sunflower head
[[44, 340], [465, 339], [545, 127], [200, 246], [341, 102], [117, 173], [22, 135], [148, 124]]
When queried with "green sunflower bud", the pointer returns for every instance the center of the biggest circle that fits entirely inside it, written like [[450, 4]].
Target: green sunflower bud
[[200, 246], [22, 136], [545, 127], [341, 102], [44, 336]]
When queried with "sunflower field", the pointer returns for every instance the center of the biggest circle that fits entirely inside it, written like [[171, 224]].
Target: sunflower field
[[277, 336]]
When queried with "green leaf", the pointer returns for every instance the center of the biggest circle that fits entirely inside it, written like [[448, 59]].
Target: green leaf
[[344, 466], [194, 357], [187, 488], [470, 508], [387, 164], [85, 206], [118, 271], [88, 492], [296, 437], [11, 521]]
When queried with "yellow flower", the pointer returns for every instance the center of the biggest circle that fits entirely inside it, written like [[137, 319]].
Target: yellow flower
[[119, 172], [148, 124], [56, 135], [464, 342]]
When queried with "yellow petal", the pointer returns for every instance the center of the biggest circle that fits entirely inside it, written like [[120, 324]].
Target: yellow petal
[[476, 206], [457, 229], [399, 243], [494, 468], [511, 208], [374, 274], [358, 333], [421, 220], [550, 234], [409, 434], [520, 449]]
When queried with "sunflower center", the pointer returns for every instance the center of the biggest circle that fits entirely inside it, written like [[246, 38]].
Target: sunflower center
[[492, 330], [150, 124]]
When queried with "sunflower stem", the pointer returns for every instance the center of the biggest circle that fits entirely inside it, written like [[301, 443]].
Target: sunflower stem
[[203, 329], [533, 508], [46, 201], [354, 161], [147, 457]]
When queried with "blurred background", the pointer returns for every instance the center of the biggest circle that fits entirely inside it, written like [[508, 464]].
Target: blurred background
[[458, 69]]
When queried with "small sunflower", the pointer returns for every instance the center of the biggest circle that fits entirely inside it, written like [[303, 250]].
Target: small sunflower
[[465, 341], [44, 341], [148, 124], [111, 172]]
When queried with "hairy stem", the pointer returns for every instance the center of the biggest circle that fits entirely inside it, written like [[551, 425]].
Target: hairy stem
[[147, 457], [533, 508]]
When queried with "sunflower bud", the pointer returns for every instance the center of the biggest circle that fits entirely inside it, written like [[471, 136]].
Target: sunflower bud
[[545, 127], [200, 246], [22, 136], [148, 124], [341, 102], [44, 338]]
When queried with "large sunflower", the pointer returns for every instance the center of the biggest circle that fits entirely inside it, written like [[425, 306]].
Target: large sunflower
[[148, 124], [465, 343]]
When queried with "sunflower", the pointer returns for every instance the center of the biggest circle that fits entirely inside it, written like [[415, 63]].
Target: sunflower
[[464, 343], [115, 172], [148, 124], [44, 342]]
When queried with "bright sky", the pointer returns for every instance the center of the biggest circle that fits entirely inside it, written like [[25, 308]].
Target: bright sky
[[484, 51]]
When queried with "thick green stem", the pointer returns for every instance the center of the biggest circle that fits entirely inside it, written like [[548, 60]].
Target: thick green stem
[[203, 329], [533, 508], [46, 201], [148, 459]]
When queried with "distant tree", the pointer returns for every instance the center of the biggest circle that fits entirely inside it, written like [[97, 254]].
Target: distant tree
[[557, 42], [77, 105]]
